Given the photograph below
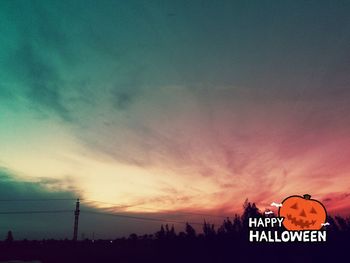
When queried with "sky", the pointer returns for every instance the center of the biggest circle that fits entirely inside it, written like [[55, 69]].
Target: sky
[[162, 106]]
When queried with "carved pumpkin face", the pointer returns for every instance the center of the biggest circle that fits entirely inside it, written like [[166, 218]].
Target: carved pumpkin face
[[302, 213]]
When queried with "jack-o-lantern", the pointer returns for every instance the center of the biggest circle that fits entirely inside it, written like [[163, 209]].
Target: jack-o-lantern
[[302, 213]]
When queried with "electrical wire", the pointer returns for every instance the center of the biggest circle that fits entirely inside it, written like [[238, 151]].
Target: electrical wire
[[143, 218], [37, 199], [114, 204], [36, 212]]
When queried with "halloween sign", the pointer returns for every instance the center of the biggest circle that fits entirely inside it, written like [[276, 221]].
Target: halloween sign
[[300, 219], [302, 213]]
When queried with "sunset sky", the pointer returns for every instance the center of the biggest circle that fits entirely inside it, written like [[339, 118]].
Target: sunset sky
[[172, 106]]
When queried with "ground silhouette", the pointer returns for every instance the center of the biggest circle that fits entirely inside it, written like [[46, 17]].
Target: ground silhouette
[[227, 242]]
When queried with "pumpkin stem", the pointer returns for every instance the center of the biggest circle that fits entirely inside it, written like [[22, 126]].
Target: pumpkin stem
[[307, 196]]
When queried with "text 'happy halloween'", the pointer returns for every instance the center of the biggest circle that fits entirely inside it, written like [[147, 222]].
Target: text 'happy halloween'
[[259, 235]]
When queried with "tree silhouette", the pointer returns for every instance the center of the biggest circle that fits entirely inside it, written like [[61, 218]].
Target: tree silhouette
[[161, 233], [229, 243], [169, 233], [208, 230], [249, 211], [237, 223], [190, 231]]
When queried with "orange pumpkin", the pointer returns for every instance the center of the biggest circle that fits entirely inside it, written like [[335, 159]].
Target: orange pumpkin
[[302, 213]]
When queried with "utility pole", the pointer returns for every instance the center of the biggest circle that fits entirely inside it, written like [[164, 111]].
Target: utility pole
[[76, 220]]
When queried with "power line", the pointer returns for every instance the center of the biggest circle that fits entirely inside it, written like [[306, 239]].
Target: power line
[[114, 204], [143, 218], [36, 212], [98, 213], [37, 199]]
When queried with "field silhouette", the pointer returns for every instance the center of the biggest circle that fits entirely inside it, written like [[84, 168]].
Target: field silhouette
[[227, 242]]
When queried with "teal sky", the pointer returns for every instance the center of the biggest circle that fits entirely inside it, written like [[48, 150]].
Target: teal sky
[[174, 105]]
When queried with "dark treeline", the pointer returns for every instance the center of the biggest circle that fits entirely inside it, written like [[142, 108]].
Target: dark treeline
[[227, 242]]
